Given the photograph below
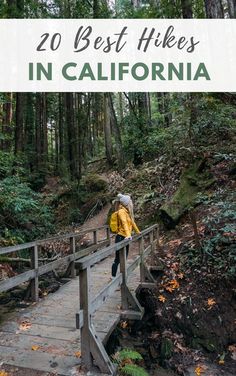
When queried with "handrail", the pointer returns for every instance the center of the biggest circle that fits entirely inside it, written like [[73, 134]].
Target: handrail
[[38, 270], [90, 260], [20, 247], [92, 349]]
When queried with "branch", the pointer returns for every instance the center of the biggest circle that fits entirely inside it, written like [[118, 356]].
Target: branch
[[130, 104]]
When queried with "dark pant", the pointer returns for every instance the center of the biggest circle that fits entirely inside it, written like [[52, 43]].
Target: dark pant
[[116, 262]]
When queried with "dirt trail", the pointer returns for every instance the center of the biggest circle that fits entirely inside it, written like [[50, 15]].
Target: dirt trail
[[99, 219]]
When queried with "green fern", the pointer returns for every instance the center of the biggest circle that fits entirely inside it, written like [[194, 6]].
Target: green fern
[[133, 370], [129, 354]]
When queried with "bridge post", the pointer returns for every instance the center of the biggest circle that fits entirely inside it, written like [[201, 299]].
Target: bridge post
[[72, 251], [141, 249], [34, 284], [128, 300], [151, 240], [95, 237], [157, 237], [145, 274], [109, 235], [84, 306]]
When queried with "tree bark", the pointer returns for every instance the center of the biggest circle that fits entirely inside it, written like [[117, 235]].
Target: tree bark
[[116, 132], [29, 130], [7, 122], [107, 130], [214, 9], [19, 127], [232, 8], [44, 129], [187, 10], [71, 134], [95, 8]]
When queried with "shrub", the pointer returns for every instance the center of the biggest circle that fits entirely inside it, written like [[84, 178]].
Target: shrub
[[22, 211]]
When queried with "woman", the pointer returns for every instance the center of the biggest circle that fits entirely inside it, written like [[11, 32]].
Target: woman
[[126, 224]]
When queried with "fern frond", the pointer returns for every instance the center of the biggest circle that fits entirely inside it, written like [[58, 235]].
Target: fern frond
[[129, 354], [133, 370]]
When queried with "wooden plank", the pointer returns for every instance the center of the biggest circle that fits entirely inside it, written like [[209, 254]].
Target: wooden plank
[[19, 247], [131, 267], [105, 293], [84, 281], [148, 285], [43, 269], [93, 259], [42, 361], [44, 331], [86, 251], [15, 248], [34, 285], [17, 280], [53, 346], [55, 321]]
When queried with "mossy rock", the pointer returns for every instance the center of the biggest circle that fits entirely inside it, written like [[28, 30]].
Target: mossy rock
[[94, 183], [194, 180]]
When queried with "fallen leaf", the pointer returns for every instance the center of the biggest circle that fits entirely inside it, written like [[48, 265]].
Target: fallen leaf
[[171, 285], [35, 347], [3, 373], [161, 298], [78, 354], [180, 275], [124, 324], [199, 371], [232, 349], [175, 266], [25, 325], [211, 302]]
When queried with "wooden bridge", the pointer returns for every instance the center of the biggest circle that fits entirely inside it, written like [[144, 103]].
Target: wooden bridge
[[45, 336]]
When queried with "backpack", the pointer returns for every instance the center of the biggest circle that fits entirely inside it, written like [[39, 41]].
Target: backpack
[[114, 222]]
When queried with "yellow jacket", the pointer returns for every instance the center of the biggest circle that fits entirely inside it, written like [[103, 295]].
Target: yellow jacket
[[125, 223]]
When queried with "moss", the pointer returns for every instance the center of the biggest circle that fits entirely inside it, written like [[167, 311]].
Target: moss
[[94, 183], [193, 180]]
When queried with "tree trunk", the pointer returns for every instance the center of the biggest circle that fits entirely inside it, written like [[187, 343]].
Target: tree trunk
[[61, 138], [214, 9], [121, 110], [71, 134], [187, 10], [29, 130], [232, 8], [38, 131], [7, 122], [44, 135], [136, 3], [95, 8], [116, 132], [107, 129], [143, 111], [19, 127]]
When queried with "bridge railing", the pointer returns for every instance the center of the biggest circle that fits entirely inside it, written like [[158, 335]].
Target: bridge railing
[[36, 270], [92, 348]]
